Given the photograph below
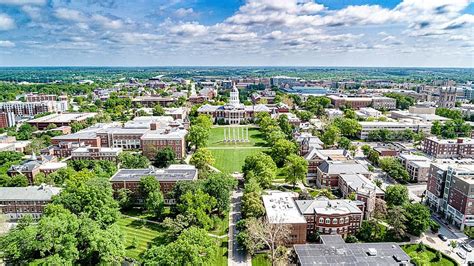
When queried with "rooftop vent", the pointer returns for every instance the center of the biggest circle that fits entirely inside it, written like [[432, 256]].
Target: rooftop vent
[[372, 252]]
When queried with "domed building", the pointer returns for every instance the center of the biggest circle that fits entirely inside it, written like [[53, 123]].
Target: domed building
[[233, 112]]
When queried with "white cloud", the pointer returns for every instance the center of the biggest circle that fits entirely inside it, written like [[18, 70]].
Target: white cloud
[[33, 12], [6, 22], [184, 12], [107, 23], [23, 2], [189, 29], [69, 14], [7, 44]]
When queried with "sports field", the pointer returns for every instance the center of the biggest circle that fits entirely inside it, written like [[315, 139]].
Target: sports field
[[231, 156]]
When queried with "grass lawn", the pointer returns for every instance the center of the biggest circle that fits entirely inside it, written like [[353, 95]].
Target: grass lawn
[[217, 136], [221, 256], [232, 160], [231, 156], [426, 257], [145, 234], [261, 260]]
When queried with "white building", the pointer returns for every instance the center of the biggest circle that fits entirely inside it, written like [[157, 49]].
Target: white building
[[415, 126]]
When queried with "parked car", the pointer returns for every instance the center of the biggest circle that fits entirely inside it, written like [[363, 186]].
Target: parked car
[[442, 237], [461, 255], [466, 247]]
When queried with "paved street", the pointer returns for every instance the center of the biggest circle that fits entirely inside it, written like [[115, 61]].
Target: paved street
[[235, 255]]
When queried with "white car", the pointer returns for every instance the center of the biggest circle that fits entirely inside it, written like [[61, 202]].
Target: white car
[[461, 255]]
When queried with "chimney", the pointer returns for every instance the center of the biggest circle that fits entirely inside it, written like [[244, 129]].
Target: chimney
[[153, 126], [460, 140]]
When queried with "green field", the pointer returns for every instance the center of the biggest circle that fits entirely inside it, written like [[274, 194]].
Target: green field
[[145, 234], [232, 160], [231, 156], [426, 257]]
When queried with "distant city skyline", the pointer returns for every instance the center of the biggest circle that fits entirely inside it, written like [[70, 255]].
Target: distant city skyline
[[407, 33]]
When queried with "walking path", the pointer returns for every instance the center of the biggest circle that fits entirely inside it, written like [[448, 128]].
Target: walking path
[[234, 147], [236, 256]]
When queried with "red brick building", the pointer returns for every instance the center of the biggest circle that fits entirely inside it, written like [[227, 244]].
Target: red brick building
[[130, 178], [446, 148], [16, 202]]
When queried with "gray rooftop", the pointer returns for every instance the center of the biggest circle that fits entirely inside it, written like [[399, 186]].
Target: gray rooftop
[[172, 173], [351, 254], [30, 193], [343, 167]]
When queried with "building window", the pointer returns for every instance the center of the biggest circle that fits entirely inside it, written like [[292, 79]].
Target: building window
[[347, 219], [334, 221], [328, 221], [321, 220], [341, 221]]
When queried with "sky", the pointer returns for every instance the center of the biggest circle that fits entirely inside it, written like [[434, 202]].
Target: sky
[[390, 33]]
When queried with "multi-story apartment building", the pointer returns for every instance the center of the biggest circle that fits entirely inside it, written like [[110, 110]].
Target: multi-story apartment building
[[450, 192], [281, 209], [130, 179], [342, 217], [446, 148], [39, 97], [7, 119], [283, 81], [16, 202], [363, 189], [26, 108], [328, 172], [96, 153], [416, 127], [417, 166]]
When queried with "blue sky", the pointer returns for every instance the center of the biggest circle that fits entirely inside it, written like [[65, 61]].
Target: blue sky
[[435, 33]]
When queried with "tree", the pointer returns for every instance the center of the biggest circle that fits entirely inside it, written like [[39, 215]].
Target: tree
[[197, 207], [349, 113], [418, 217], [397, 220], [270, 235], [371, 231], [380, 210], [285, 125], [158, 110], [92, 197], [202, 159], [198, 136], [396, 195], [344, 143], [175, 226], [295, 169], [130, 160], [331, 135], [18, 180], [219, 186], [274, 136], [193, 247], [282, 149], [436, 128], [373, 156], [252, 205], [124, 198], [261, 167], [153, 200], [365, 149], [453, 244], [394, 169], [348, 127], [164, 157]]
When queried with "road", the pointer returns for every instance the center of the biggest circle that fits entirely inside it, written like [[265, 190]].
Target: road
[[236, 256]]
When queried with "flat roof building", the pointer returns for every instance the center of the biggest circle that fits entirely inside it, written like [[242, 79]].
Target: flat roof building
[[281, 209], [336, 252], [64, 119]]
